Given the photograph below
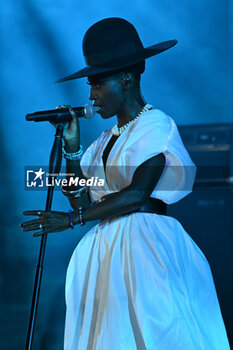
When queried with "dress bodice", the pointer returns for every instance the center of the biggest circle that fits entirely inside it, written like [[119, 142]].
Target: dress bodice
[[153, 133]]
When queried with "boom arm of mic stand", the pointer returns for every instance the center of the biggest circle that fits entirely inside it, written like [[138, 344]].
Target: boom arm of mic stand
[[54, 168]]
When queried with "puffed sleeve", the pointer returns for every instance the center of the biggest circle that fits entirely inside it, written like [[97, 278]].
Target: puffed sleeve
[[157, 133]]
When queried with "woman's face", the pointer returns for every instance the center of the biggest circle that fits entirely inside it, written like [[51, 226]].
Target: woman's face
[[107, 94]]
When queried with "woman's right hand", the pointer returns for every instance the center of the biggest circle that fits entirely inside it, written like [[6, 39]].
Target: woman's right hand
[[71, 132]]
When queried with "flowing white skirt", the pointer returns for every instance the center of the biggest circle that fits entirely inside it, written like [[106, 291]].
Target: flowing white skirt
[[139, 282]]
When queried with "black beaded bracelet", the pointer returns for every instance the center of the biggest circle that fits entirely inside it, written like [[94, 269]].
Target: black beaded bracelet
[[71, 219], [81, 216]]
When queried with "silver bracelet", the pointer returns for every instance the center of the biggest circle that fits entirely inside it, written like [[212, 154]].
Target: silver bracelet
[[75, 193], [72, 156]]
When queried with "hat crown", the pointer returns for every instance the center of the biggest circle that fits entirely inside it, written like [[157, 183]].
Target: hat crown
[[112, 44], [110, 39]]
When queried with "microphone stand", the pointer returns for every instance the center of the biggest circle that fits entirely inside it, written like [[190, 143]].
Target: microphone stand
[[54, 168]]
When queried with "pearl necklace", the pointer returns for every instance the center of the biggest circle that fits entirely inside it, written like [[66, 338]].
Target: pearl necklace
[[118, 131]]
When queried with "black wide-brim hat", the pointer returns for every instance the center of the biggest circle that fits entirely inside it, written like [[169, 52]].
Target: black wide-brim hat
[[112, 44]]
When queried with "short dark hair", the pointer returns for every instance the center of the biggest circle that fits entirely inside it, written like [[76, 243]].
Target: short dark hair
[[136, 69]]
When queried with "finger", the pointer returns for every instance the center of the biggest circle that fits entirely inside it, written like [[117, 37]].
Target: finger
[[41, 233], [37, 234], [33, 212], [31, 228], [72, 112], [74, 116], [31, 223], [62, 106]]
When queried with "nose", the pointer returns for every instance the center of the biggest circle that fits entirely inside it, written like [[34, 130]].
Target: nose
[[93, 96]]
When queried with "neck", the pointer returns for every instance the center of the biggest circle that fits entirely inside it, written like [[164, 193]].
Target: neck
[[130, 110]]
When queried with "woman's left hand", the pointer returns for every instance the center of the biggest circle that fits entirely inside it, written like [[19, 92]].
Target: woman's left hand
[[48, 221]]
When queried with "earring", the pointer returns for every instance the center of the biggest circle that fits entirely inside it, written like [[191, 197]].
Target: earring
[[127, 80]]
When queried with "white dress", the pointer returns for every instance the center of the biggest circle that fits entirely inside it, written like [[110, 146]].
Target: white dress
[[139, 282]]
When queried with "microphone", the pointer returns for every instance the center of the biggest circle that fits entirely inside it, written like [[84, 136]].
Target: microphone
[[62, 115]]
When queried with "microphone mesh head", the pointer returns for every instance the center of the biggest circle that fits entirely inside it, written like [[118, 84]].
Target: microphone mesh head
[[89, 111]]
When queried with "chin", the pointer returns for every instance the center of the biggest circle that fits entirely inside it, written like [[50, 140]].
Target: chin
[[105, 116]]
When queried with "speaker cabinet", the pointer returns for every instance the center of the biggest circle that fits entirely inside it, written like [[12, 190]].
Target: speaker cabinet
[[207, 213]]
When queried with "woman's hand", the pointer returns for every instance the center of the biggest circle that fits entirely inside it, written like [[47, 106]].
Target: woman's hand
[[48, 221], [71, 132]]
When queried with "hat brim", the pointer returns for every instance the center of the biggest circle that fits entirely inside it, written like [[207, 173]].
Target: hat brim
[[121, 62]]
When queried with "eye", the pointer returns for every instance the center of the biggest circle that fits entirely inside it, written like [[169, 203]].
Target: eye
[[95, 85]]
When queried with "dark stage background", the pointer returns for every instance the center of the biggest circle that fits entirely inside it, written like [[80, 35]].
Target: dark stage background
[[41, 42]]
